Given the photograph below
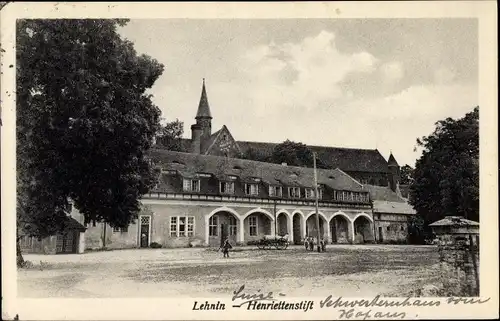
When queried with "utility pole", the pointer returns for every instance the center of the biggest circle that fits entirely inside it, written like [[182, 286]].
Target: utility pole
[[316, 201], [275, 222]]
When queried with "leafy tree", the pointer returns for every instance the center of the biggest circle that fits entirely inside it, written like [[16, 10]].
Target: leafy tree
[[294, 154], [446, 177], [255, 155], [406, 175], [84, 123], [170, 136]]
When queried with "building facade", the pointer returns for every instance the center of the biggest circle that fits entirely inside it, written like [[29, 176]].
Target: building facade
[[209, 193]]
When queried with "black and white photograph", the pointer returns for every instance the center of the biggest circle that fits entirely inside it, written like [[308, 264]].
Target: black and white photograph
[[251, 167]]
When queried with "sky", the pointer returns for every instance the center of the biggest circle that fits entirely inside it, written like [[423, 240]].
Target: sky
[[358, 83]]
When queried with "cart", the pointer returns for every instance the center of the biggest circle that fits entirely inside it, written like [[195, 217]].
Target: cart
[[270, 242]]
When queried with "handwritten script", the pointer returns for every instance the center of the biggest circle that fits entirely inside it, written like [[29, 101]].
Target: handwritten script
[[240, 295]]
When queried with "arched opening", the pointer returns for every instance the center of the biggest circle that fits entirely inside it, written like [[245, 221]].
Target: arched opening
[[223, 224], [339, 226], [297, 228], [311, 228], [257, 225], [363, 230], [282, 224]]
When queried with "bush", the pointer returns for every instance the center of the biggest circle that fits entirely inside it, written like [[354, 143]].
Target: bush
[[155, 245], [254, 242]]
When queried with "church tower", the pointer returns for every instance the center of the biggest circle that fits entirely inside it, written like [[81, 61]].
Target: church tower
[[202, 130]]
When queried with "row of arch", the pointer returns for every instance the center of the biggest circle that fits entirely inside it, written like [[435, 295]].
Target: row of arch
[[339, 228]]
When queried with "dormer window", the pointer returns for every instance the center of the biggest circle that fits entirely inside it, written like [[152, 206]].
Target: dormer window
[[226, 187], [191, 185], [310, 193], [294, 192], [251, 189], [275, 191]]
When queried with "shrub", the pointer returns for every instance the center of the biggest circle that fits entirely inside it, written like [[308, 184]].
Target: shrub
[[155, 245], [254, 242]]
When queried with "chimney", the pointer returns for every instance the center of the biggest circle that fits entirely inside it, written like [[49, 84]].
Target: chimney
[[196, 131]]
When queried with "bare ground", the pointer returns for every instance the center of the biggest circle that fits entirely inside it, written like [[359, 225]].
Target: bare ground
[[344, 270]]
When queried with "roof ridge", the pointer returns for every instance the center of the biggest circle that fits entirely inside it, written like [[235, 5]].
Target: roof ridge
[[314, 146]]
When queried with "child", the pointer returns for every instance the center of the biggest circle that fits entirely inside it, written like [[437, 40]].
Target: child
[[225, 247]]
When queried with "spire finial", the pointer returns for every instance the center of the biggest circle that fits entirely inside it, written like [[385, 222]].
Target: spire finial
[[203, 107]]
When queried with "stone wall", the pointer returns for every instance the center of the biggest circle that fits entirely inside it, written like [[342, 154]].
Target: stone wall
[[459, 265]]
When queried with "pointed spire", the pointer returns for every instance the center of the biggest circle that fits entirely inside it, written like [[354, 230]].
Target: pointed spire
[[203, 107], [392, 160]]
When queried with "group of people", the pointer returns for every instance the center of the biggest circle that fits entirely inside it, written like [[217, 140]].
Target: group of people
[[310, 242]]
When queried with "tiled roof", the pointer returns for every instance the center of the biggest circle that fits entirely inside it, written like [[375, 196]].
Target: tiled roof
[[392, 207], [387, 201], [383, 193], [270, 173], [347, 159], [203, 107]]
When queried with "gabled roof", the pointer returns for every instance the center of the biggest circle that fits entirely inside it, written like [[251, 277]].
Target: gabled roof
[[347, 159], [215, 136], [269, 173], [454, 221], [203, 107]]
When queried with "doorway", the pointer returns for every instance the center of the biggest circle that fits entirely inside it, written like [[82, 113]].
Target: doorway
[[145, 230], [380, 237]]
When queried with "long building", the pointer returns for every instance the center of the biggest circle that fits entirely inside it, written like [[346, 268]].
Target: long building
[[208, 192]]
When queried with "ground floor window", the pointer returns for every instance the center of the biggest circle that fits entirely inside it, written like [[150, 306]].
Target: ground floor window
[[252, 222], [181, 226], [213, 222], [233, 226]]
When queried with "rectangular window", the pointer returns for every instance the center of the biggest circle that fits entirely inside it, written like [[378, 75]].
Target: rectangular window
[[190, 226], [181, 226], [191, 185], [213, 223], [294, 192], [251, 189], [173, 226], [275, 191], [320, 193], [226, 187], [310, 193], [233, 226], [252, 222]]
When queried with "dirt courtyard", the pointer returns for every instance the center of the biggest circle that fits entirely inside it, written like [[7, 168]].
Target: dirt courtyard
[[344, 270]]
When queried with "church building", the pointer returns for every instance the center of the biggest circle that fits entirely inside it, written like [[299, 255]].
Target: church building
[[209, 192]]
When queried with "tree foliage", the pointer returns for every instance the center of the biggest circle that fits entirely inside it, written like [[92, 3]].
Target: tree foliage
[[406, 175], [84, 123], [170, 136], [446, 177], [289, 152]]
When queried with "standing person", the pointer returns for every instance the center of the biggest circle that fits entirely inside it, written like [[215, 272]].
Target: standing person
[[225, 247], [311, 244]]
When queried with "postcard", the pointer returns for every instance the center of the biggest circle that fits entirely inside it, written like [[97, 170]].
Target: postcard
[[248, 161]]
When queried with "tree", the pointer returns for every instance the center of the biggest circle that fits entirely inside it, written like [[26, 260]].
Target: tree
[[253, 154], [446, 177], [84, 123], [170, 136], [406, 175], [294, 154]]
